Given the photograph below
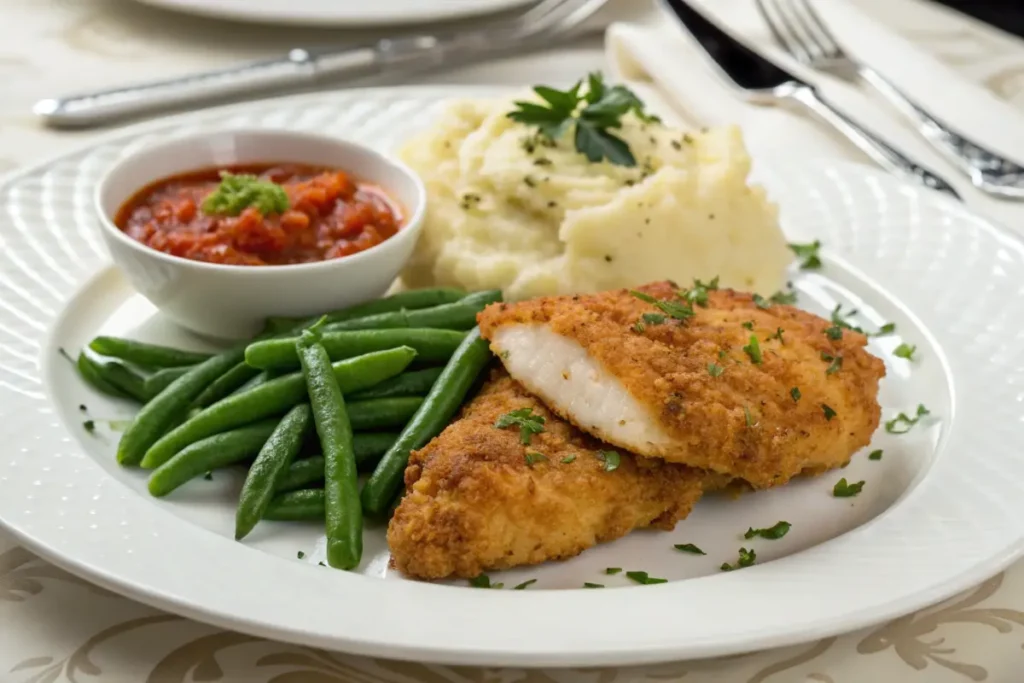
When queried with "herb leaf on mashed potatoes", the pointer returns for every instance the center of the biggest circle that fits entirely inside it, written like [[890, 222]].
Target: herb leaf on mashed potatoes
[[520, 200], [604, 110]]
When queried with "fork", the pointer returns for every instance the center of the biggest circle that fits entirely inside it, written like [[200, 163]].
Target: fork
[[798, 28], [533, 28]]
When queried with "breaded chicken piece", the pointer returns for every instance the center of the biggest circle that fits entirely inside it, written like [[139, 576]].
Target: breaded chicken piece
[[696, 391], [478, 499]]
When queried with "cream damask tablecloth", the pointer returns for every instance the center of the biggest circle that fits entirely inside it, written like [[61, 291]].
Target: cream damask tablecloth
[[55, 627]]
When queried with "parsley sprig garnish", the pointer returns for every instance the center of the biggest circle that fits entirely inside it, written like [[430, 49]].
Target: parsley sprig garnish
[[601, 113], [775, 532], [901, 424], [528, 423], [238, 192]]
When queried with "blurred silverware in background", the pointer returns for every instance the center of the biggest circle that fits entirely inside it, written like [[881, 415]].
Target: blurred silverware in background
[[800, 31], [533, 28], [762, 81]]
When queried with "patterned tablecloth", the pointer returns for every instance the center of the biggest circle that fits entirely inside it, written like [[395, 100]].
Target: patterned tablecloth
[[56, 627]]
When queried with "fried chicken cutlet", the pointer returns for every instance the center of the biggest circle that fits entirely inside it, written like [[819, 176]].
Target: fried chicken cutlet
[[479, 499], [739, 387]]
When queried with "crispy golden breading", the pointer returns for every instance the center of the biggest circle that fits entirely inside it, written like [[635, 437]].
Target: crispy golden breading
[[697, 396], [475, 504]]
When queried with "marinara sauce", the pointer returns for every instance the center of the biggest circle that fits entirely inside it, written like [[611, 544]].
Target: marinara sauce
[[329, 215]]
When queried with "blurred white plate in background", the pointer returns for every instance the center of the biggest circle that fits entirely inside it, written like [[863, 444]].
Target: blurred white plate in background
[[338, 12]]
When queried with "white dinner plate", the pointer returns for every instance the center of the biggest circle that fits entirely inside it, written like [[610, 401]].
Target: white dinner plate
[[338, 13], [939, 513]]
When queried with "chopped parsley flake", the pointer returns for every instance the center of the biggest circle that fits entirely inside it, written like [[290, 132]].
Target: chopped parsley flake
[[484, 581], [901, 424], [300, 554], [529, 424], [761, 302], [749, 324], [808, 253], [81, 406], [795, 394], [715, 370], [653, 318], [829, 413], [610, 459], [612, 570], [671, 308], [773, 532], [834, 332], [840, 318], [534, 458], [782, 298], [524, 584], [746, 559], [638, 327], [689, 548], [208, 476], [842, 489], [753, 349], [875, 455], [568, 459], [644, 579], [905, 351], [884, 330], [89, 426], [835, 363], [748, 418], [777, 335], [698, 294], [593, 585]]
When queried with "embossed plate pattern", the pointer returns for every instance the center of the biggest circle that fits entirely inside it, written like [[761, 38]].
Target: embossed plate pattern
[[952, 278]]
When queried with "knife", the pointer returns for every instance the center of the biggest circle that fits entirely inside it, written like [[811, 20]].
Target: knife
[[763, 81]]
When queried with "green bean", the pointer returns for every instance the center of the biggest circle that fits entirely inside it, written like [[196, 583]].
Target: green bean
[[274, 398], [90, 372], [382, 413], [437, 409], [217, 451], [172, 404], [416, 383], [224, 385], [460, 315], [123, 377], [342, 510], [256, 381], [431, 345], [161, 379], [368, 448], [410, 300], [266, 472], [297, 506], [146, 355]]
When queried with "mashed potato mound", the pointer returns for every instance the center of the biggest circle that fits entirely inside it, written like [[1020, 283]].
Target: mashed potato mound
[[509, 210]]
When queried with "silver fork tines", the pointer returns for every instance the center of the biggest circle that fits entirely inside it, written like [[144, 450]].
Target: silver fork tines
[[798, 29]]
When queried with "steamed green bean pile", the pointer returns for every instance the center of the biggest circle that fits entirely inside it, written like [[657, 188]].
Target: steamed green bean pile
[[304, 407]]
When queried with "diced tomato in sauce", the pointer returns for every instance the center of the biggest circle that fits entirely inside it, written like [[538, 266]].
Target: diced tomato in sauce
[[331, 215]]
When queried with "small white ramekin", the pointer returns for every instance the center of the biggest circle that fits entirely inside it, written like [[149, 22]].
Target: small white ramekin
[[231, 302]]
